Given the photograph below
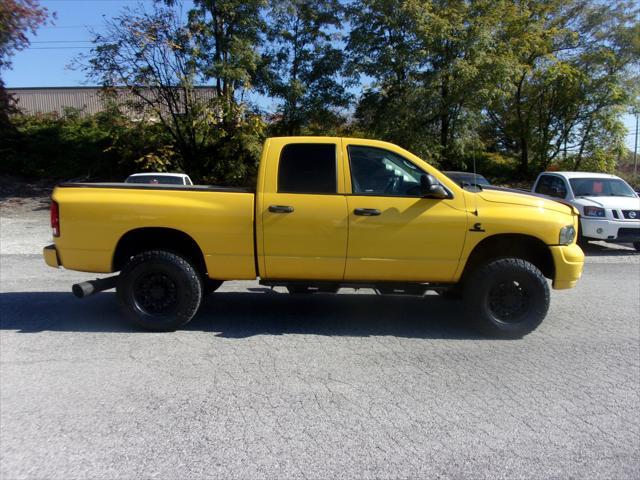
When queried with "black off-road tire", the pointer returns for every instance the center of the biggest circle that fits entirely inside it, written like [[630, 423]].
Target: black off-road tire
[[159, 290], [506, 298], [636, 245]]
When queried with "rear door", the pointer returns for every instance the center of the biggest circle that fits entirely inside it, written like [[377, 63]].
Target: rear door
[[303, 210]]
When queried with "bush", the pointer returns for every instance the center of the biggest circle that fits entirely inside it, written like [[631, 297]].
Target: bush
[[108, 146], [104, 146], [495, 167]]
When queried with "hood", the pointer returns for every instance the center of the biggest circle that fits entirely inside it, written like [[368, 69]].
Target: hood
[[524, 199], [621, 203]]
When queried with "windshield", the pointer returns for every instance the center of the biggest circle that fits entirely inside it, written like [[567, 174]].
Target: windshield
[[600, 187]]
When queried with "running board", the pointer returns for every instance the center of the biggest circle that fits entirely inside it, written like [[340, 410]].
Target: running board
[[386, 288]]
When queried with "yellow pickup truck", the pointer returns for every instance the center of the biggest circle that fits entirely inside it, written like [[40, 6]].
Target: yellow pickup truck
[[326, 213]]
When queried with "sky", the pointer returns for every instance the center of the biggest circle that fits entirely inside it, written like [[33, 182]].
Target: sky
[[46, 62]]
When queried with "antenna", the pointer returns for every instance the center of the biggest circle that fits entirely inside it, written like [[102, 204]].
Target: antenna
[[475, 179]]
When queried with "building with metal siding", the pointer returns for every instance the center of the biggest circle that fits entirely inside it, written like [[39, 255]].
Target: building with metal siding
[[88, 100]]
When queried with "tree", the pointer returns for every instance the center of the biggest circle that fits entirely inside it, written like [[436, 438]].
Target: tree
[[435, 64], [17, 18], [302, 65], [227, 35], [570, 79], [149, 56], [383, 48], [155, 57]]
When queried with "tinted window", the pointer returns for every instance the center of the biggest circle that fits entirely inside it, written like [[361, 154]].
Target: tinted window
[[307, 168], [551, 186], [375, 171]]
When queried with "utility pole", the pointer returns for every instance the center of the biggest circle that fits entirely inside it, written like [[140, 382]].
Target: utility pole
[[635, 148]]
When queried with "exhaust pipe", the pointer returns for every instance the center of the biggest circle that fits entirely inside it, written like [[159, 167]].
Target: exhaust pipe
[[85, 289]]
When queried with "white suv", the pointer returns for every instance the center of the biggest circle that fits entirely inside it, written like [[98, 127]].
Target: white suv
[[609, 208]]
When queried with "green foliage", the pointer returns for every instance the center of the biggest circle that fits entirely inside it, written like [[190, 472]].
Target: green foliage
[[497, 168], [73, 145]]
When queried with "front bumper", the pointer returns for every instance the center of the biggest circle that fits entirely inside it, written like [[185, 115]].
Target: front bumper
[[50, 255], [568, 261], [618, 231]]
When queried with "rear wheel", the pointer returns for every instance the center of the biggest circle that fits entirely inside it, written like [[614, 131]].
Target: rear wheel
[[159, 290], [506, 298]]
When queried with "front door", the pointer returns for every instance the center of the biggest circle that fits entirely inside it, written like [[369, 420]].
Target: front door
[[394, 233], [304, 218]]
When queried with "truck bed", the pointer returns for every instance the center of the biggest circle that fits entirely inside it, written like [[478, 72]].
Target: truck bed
[[96, 217]]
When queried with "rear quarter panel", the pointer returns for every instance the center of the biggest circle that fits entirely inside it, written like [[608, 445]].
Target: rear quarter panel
[[93, 220]]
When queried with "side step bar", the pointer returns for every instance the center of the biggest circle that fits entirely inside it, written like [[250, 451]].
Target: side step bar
[[386, 288]]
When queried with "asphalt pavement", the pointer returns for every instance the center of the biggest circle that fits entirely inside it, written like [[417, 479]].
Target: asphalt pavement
[[262, 384]]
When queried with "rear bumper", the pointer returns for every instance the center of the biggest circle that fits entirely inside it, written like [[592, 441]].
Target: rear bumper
[[50, 255], [568, 261]]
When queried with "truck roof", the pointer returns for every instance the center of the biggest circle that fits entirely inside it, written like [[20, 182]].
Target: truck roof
[[580, 174]]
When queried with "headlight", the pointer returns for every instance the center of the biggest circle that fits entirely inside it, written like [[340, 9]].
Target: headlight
[[567, 234], [594, 212]]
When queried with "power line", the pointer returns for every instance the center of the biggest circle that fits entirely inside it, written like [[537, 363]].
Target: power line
[[69, 26], [54, 48], [62, 41], [98, 1]]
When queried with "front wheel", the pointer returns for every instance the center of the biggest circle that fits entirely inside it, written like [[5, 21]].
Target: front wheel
[[636, 245], [506, 298], [159, 290]]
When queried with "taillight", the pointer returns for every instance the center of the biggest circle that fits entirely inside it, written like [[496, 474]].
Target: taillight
[[55, 219]]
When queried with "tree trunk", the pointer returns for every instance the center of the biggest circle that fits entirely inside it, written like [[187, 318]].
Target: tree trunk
[[444, 121], [524, 156]]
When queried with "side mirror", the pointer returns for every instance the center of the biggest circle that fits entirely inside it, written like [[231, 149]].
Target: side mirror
[[430, 188]]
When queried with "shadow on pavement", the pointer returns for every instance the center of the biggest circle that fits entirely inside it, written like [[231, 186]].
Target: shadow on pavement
[[602, 249], [242, 315]]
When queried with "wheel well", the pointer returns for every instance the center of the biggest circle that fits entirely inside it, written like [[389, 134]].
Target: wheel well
[[525, 247], [142, 239]]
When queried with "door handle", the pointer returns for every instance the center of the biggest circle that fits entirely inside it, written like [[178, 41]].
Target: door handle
[[280, 208], [367, 212]]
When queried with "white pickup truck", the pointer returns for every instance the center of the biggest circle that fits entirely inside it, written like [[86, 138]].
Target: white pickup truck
[[609, 208]]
